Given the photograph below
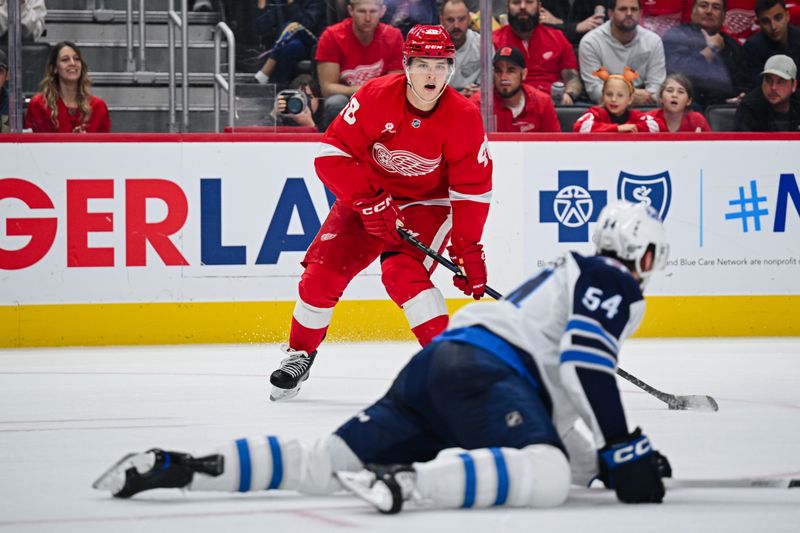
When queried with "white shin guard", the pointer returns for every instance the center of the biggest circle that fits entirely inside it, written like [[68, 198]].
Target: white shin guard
[[265, 463], [535, 476]]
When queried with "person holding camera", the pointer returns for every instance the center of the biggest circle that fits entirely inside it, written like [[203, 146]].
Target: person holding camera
[[299, 104]]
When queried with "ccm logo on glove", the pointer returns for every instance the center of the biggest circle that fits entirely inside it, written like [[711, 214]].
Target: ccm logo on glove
[[632, 451]]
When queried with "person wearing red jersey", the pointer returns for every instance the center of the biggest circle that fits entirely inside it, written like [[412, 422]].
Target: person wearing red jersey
[[616, 114], [518, 107], [354, 51], [548, 54], [676, 96], [407, 151], [65, 103]]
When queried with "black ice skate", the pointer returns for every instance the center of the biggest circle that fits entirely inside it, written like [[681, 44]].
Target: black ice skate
[[385, 488], [155, 469], [294, 370]]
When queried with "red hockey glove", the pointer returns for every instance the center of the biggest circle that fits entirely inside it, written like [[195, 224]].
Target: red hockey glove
[[380, 216], [472, 262]]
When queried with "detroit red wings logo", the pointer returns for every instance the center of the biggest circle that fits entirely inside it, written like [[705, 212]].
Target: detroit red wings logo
[[362, 73], [403, 162]]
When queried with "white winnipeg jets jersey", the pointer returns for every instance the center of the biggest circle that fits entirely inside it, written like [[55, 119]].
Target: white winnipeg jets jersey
[[571, 319]]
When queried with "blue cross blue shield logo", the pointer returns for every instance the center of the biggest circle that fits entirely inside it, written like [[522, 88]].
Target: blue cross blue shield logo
[[573, 206], [655, 190]]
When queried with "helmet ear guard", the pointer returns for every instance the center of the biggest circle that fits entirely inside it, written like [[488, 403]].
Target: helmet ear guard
[[627, 231]]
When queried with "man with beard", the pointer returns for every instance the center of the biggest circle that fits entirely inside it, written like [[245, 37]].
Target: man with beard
[[777, 36], [455, 18], [712, 60], [774, 106], [548, 54], [518, 107], [621, 43]]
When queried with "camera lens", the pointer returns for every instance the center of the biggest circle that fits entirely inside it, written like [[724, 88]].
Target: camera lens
[[294, 105]]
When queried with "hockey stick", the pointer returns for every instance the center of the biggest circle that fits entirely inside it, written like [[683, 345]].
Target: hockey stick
[[740, 483], [696, 402]]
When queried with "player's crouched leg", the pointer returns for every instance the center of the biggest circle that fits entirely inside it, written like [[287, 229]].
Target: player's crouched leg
[[535, 476]]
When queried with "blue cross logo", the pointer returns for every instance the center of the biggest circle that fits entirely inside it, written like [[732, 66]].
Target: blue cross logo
[[572, 206]]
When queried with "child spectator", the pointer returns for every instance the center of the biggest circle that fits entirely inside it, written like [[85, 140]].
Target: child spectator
[[65, 103], [676, 96], [616, 115]]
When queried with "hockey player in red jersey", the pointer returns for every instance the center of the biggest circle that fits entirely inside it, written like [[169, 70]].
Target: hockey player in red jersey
[[616, 114], [407, 151]]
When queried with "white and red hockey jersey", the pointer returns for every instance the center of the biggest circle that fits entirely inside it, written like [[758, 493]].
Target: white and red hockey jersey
[[381, 142]]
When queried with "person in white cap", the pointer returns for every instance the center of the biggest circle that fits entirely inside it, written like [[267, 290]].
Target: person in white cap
[[775, 105]]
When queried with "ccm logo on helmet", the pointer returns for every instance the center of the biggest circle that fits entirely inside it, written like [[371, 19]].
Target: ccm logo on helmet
[[377, 208], [632, 451]]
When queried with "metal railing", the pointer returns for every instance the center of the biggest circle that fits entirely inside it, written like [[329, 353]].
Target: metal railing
[[131, 61], [220, 83], [181, 22]]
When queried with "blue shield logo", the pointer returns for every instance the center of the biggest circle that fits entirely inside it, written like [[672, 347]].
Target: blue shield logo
[[655, 190]]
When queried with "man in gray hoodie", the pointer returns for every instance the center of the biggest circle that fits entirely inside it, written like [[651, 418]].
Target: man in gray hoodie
[[621, 42]]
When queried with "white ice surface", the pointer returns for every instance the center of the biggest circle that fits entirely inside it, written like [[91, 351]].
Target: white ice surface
[[67, 414]]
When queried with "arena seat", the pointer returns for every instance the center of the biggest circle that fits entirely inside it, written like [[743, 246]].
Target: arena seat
[[720, 117]]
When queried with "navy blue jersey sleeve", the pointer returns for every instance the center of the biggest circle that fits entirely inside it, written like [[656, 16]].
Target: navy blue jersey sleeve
[[607, 305]]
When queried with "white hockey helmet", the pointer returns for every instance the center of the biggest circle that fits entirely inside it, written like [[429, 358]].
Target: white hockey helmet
[[628, 230]]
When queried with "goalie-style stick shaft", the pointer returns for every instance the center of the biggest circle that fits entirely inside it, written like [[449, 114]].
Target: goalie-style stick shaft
[[741, 483], [673, 401]]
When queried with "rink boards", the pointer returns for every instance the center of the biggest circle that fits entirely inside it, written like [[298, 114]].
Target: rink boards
[[148, 239]]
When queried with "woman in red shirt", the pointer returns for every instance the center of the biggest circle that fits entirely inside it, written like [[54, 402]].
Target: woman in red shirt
[[65, 103], [676, 99], [616, 115]]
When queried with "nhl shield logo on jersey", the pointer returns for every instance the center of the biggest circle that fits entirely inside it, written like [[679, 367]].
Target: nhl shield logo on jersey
[[416, 123], [654, 190], [403, 162]]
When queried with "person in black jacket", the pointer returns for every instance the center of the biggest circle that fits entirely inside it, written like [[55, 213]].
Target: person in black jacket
[[777, 36], [774, 106], [575, 19], [289, 28], [712, 60]]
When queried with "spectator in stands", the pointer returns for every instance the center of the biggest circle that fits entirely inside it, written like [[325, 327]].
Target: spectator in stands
[[290, 29], [455, 18], [659, 16], [573, 17], [355, 51], [676, 96], [65, 103], [518, 106], [775, 105], [740, 18], [548, 54], [777, 36], [616, 114], [31, 18], [311, 114], [621, 42], [405, 14], [713, 61], [4, 125]]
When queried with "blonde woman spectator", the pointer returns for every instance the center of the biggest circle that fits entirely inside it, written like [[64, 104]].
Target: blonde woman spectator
[[65, 103], [31, 15]]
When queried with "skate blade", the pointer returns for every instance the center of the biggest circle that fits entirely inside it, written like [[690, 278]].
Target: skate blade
[[113, 479], [278, 394]]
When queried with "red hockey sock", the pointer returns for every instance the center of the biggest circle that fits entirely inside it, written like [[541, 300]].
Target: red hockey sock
[[426, 331]]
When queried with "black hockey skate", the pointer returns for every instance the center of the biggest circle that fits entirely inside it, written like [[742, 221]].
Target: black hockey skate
[[156, 469], [294, 370], [385, 488]]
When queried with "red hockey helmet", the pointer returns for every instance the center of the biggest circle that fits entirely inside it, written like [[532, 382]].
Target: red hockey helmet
[[428, 41]]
